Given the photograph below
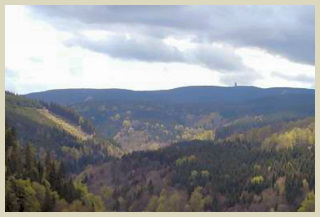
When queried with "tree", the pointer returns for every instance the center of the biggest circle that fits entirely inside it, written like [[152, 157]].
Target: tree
[[161, 201], [49, 201], [52, 176], [153, 204], [30, 161], [40, 192], [13, 158], [293, 187], [10, 136], [26, 196], [308, 205], [197, 201], [11, 198], [150, 187], [47, 163], [40, 172], [174, 203]]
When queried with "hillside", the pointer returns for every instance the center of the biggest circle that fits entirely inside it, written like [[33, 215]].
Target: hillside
[[144, 120], [51, 128], [273, 173], [251, 153], [41, 182], [63, 124]]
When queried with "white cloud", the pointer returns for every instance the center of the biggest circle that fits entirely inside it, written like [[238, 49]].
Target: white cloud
[[266, 64]]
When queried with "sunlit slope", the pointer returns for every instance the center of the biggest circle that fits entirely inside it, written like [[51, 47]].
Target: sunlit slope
[[54, 127], [61, 123], [29, 114]]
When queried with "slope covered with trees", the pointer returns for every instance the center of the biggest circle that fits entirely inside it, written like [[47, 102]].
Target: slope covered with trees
[[43, 158], [148, 120], [230, 175], [231, 149], [35, 184], [46, 135]]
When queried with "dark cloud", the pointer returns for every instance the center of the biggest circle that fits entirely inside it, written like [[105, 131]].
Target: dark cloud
[[216, 58], [299, 78], [154, 50], [285, 30], [123, 48]]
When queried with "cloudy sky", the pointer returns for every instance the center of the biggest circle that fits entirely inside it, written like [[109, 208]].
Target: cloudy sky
[[158, 47]]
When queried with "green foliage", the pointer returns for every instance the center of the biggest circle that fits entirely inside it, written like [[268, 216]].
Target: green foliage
[[21, 196], [72, 116], [190, 159], [308, 205], [290, 138], [32, 185], [293, 187], [257, 180], [193, 175], [197, 201], [153, 204], [211, 177], [126, 123], [205, 173]]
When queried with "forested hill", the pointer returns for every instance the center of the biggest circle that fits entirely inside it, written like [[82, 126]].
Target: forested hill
[[197, 94], [19, 108], [236, 174], [58, 130], [190, 158], [46, 146], [140, 120]]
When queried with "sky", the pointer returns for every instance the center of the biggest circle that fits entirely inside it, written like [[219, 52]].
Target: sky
[[158, 47]]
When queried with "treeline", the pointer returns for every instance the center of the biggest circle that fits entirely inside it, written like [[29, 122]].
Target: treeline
[[33, 184], [15, 100]]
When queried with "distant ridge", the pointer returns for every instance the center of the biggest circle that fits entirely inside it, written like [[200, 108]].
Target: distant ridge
[[191, 94]]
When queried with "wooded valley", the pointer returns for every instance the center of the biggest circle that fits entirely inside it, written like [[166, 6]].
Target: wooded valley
[[188, 149]]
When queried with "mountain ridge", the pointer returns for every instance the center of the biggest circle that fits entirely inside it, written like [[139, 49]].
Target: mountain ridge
[[199, 94]]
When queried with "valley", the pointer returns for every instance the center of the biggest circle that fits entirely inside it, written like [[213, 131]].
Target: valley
[[186, 149], [160, 108], [149, 120]]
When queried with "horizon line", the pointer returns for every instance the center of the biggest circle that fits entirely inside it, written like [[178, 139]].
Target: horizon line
[[168, 89]]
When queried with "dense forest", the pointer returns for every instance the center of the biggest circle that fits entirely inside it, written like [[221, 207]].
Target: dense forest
[[252, 152], [231, 175], [34, 184]]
